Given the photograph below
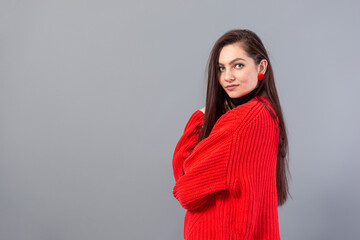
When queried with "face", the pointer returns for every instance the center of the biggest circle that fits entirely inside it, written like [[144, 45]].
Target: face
[[238, 73]]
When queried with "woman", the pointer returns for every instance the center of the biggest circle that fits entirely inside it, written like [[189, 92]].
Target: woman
[[230, 165]]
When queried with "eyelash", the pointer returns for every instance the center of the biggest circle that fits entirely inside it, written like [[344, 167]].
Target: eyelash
[[242, 65]]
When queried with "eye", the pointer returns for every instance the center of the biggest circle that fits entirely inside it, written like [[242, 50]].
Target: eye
[[221, 69], [239, 65]]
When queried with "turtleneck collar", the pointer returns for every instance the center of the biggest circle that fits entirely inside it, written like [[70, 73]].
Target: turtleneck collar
[[244, 99]]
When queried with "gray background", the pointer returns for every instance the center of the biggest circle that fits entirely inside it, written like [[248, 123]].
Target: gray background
[[94, 96]]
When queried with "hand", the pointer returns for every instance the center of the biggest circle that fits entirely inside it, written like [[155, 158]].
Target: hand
[[203, 110]]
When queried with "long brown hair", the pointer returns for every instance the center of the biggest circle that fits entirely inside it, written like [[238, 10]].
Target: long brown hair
[[218, 102]]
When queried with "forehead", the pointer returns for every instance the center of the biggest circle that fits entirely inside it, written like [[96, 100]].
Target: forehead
[[232, 51]]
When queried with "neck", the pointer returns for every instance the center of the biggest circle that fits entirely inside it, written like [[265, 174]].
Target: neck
[[243, 99]]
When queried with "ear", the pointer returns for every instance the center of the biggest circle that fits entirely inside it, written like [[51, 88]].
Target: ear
[[262, 66]]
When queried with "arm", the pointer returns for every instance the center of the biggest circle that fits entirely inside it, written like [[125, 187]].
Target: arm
[[252, 173], [205, 168], [230, 159], [205, 171], [187, 142]]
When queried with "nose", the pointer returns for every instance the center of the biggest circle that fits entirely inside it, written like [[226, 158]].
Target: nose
[[229, 76]]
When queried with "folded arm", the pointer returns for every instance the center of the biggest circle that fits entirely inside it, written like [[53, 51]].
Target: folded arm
[[187, 142], [205, 168]]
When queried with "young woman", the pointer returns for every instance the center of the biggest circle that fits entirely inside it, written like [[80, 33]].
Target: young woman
[[231, 163]]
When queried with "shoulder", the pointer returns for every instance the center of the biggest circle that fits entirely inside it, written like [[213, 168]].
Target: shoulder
[[256, 109], [244, 114], [230, 120]]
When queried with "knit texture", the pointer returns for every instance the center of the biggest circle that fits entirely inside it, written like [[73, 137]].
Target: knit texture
[[227, 182]]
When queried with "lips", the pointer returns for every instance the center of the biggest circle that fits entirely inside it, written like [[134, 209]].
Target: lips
[[232, 86]]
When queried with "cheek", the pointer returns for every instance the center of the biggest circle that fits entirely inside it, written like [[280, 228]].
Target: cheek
[[221, 81], [247, 76], [243, 77]]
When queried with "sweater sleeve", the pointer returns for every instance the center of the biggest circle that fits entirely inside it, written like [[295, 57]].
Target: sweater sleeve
[[252, 173], [187, 142], [239, 155], [205, 169]]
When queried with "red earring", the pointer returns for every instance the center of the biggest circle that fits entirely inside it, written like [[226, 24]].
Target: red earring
[[261, 76]]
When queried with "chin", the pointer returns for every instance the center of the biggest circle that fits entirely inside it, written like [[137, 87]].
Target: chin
[[234, 95]]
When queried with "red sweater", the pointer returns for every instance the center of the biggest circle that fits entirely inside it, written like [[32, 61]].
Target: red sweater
[[227, 182]]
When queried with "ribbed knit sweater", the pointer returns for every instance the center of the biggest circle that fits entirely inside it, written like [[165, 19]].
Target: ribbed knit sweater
[[227, 182]]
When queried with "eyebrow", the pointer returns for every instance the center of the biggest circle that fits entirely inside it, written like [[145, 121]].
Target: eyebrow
[[234, 60]]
